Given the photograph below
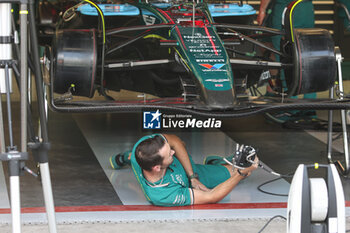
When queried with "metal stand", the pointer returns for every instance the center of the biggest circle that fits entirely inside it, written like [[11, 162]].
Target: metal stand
[[41, 146], [345, 170]]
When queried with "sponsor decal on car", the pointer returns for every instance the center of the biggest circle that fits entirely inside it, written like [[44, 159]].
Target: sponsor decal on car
[[217, 80], [215, 67]]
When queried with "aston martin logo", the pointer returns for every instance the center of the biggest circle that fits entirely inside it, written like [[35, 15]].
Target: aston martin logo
[[213, 67]]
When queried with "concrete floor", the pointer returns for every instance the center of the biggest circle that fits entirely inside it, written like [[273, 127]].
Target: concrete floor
[[227, 226], [278, 225], [75, 184]]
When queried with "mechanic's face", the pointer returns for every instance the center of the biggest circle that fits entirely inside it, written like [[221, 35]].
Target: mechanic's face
[[167, 153]]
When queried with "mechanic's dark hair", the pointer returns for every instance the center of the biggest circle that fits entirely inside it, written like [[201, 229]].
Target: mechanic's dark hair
[[147, 152]]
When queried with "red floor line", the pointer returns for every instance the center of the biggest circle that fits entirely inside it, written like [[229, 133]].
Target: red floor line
[[61, 209]]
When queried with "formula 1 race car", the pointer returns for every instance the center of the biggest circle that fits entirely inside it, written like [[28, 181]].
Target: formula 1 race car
[[190, 56]]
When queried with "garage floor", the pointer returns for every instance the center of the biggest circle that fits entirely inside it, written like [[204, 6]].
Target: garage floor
[[86, 189]]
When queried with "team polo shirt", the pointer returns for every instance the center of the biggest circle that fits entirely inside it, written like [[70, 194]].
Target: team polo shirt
[[171, 190]]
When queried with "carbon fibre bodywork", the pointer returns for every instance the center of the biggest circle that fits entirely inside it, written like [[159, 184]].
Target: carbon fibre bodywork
[[181, 50]]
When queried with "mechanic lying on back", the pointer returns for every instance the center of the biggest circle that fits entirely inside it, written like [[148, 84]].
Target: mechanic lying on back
[[169, 177]]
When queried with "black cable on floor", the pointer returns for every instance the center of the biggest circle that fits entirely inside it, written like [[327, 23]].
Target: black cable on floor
[[266, 192], [277, 216], [273, 180]]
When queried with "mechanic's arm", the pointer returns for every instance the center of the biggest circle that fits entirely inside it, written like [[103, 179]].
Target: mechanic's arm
[[262, 11], [219, 192], [181, 154]]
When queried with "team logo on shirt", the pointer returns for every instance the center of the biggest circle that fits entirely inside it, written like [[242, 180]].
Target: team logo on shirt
[[177, 179]]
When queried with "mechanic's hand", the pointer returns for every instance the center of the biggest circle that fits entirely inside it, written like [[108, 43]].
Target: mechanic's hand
[[261, 17], [196, 184], [254, 166]]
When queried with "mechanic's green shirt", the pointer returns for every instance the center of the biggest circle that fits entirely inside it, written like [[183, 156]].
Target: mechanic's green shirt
[[303, 17], [172, 190]]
